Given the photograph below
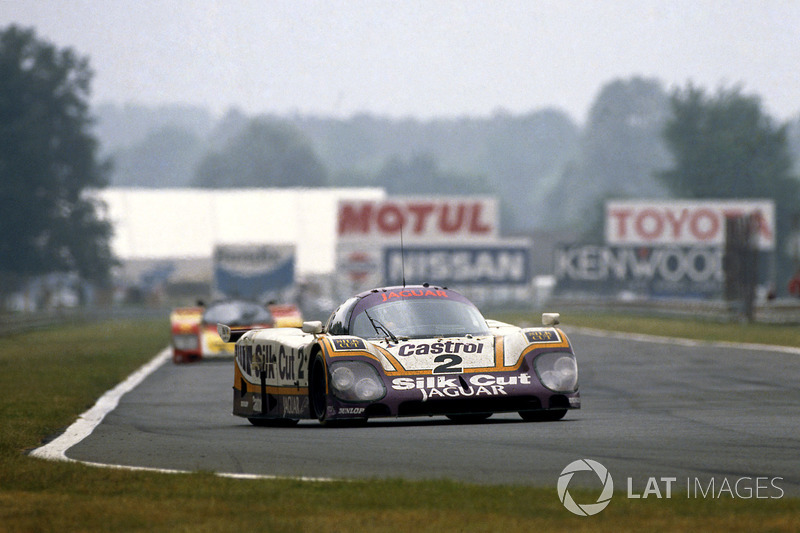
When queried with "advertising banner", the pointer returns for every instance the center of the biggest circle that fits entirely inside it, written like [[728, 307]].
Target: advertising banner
[[662, 271], [428, 219], [684, 222], [358, 268], [257, 272], [491, 264]]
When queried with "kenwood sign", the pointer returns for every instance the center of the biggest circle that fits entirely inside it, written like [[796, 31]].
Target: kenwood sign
[[659, 271]]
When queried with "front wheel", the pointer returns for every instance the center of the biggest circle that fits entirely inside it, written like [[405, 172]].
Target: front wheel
[[319, 397], [318, 385], [550, 415]]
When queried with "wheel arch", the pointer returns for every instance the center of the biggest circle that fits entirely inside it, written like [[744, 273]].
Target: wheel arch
[[316, 351]]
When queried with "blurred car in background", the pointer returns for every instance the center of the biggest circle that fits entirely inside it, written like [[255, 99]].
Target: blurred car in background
[[286, 315], [194, 329]]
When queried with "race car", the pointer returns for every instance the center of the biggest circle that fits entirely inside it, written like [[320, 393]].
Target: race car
[[286, 315], [403, 351], [194, 329]]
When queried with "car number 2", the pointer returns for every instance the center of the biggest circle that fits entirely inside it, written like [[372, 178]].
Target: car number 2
[[450, 361]]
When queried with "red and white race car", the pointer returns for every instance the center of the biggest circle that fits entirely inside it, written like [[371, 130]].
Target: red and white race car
[[194, 329], [286, 315]]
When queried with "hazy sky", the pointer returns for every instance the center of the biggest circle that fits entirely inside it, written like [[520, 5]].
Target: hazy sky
[[423, 58]]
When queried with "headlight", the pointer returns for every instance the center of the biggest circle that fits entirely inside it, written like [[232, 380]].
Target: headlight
[[342, 378], [186, 342], [557, 371], [369, 389], [353, 381]]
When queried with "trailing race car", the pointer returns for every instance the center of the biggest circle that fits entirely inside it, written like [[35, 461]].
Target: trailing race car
[[194, 329], [403, 351], [286, 315]]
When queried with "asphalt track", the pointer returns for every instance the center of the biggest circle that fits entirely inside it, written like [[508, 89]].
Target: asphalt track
[[703, 414]]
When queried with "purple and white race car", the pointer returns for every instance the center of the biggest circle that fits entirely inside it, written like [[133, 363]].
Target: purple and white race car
[[403, 351]]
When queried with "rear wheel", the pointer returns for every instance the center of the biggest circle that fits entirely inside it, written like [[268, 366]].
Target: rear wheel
[[550, 415]]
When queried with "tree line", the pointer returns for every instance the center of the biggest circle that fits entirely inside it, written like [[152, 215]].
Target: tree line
[[640, 141]]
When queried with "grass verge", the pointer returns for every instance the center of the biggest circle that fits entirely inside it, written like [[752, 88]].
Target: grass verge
[[49, 377], [697, 329]]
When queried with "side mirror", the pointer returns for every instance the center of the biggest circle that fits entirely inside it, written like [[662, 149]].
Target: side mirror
[[313, 326], [550, 319]]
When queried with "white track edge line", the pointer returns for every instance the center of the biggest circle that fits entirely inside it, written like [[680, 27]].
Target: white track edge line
[[56, 450], [88, 421]]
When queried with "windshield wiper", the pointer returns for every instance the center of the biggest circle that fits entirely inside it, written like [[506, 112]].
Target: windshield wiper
[[378, 326]]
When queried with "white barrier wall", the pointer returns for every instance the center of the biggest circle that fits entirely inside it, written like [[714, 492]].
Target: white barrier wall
[[187, 223]]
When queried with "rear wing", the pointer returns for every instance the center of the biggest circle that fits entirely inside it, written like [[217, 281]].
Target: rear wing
[[233, 334], [229, 334]]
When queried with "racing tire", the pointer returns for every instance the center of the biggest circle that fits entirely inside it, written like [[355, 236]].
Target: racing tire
[[273, 422], [471, 418], [318, 396], [550, 415]]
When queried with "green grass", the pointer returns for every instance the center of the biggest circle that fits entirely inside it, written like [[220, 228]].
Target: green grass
[[47, 378], [705, 330], [697, 329]]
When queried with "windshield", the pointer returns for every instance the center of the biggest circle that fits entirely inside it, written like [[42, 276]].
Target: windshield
[[416, 318], [237, 314]]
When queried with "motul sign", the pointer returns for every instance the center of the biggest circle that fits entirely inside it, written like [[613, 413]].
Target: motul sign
[[442, 219], [684, 222]]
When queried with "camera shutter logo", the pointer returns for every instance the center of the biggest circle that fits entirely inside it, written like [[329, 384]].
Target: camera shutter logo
[[586, 509]]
